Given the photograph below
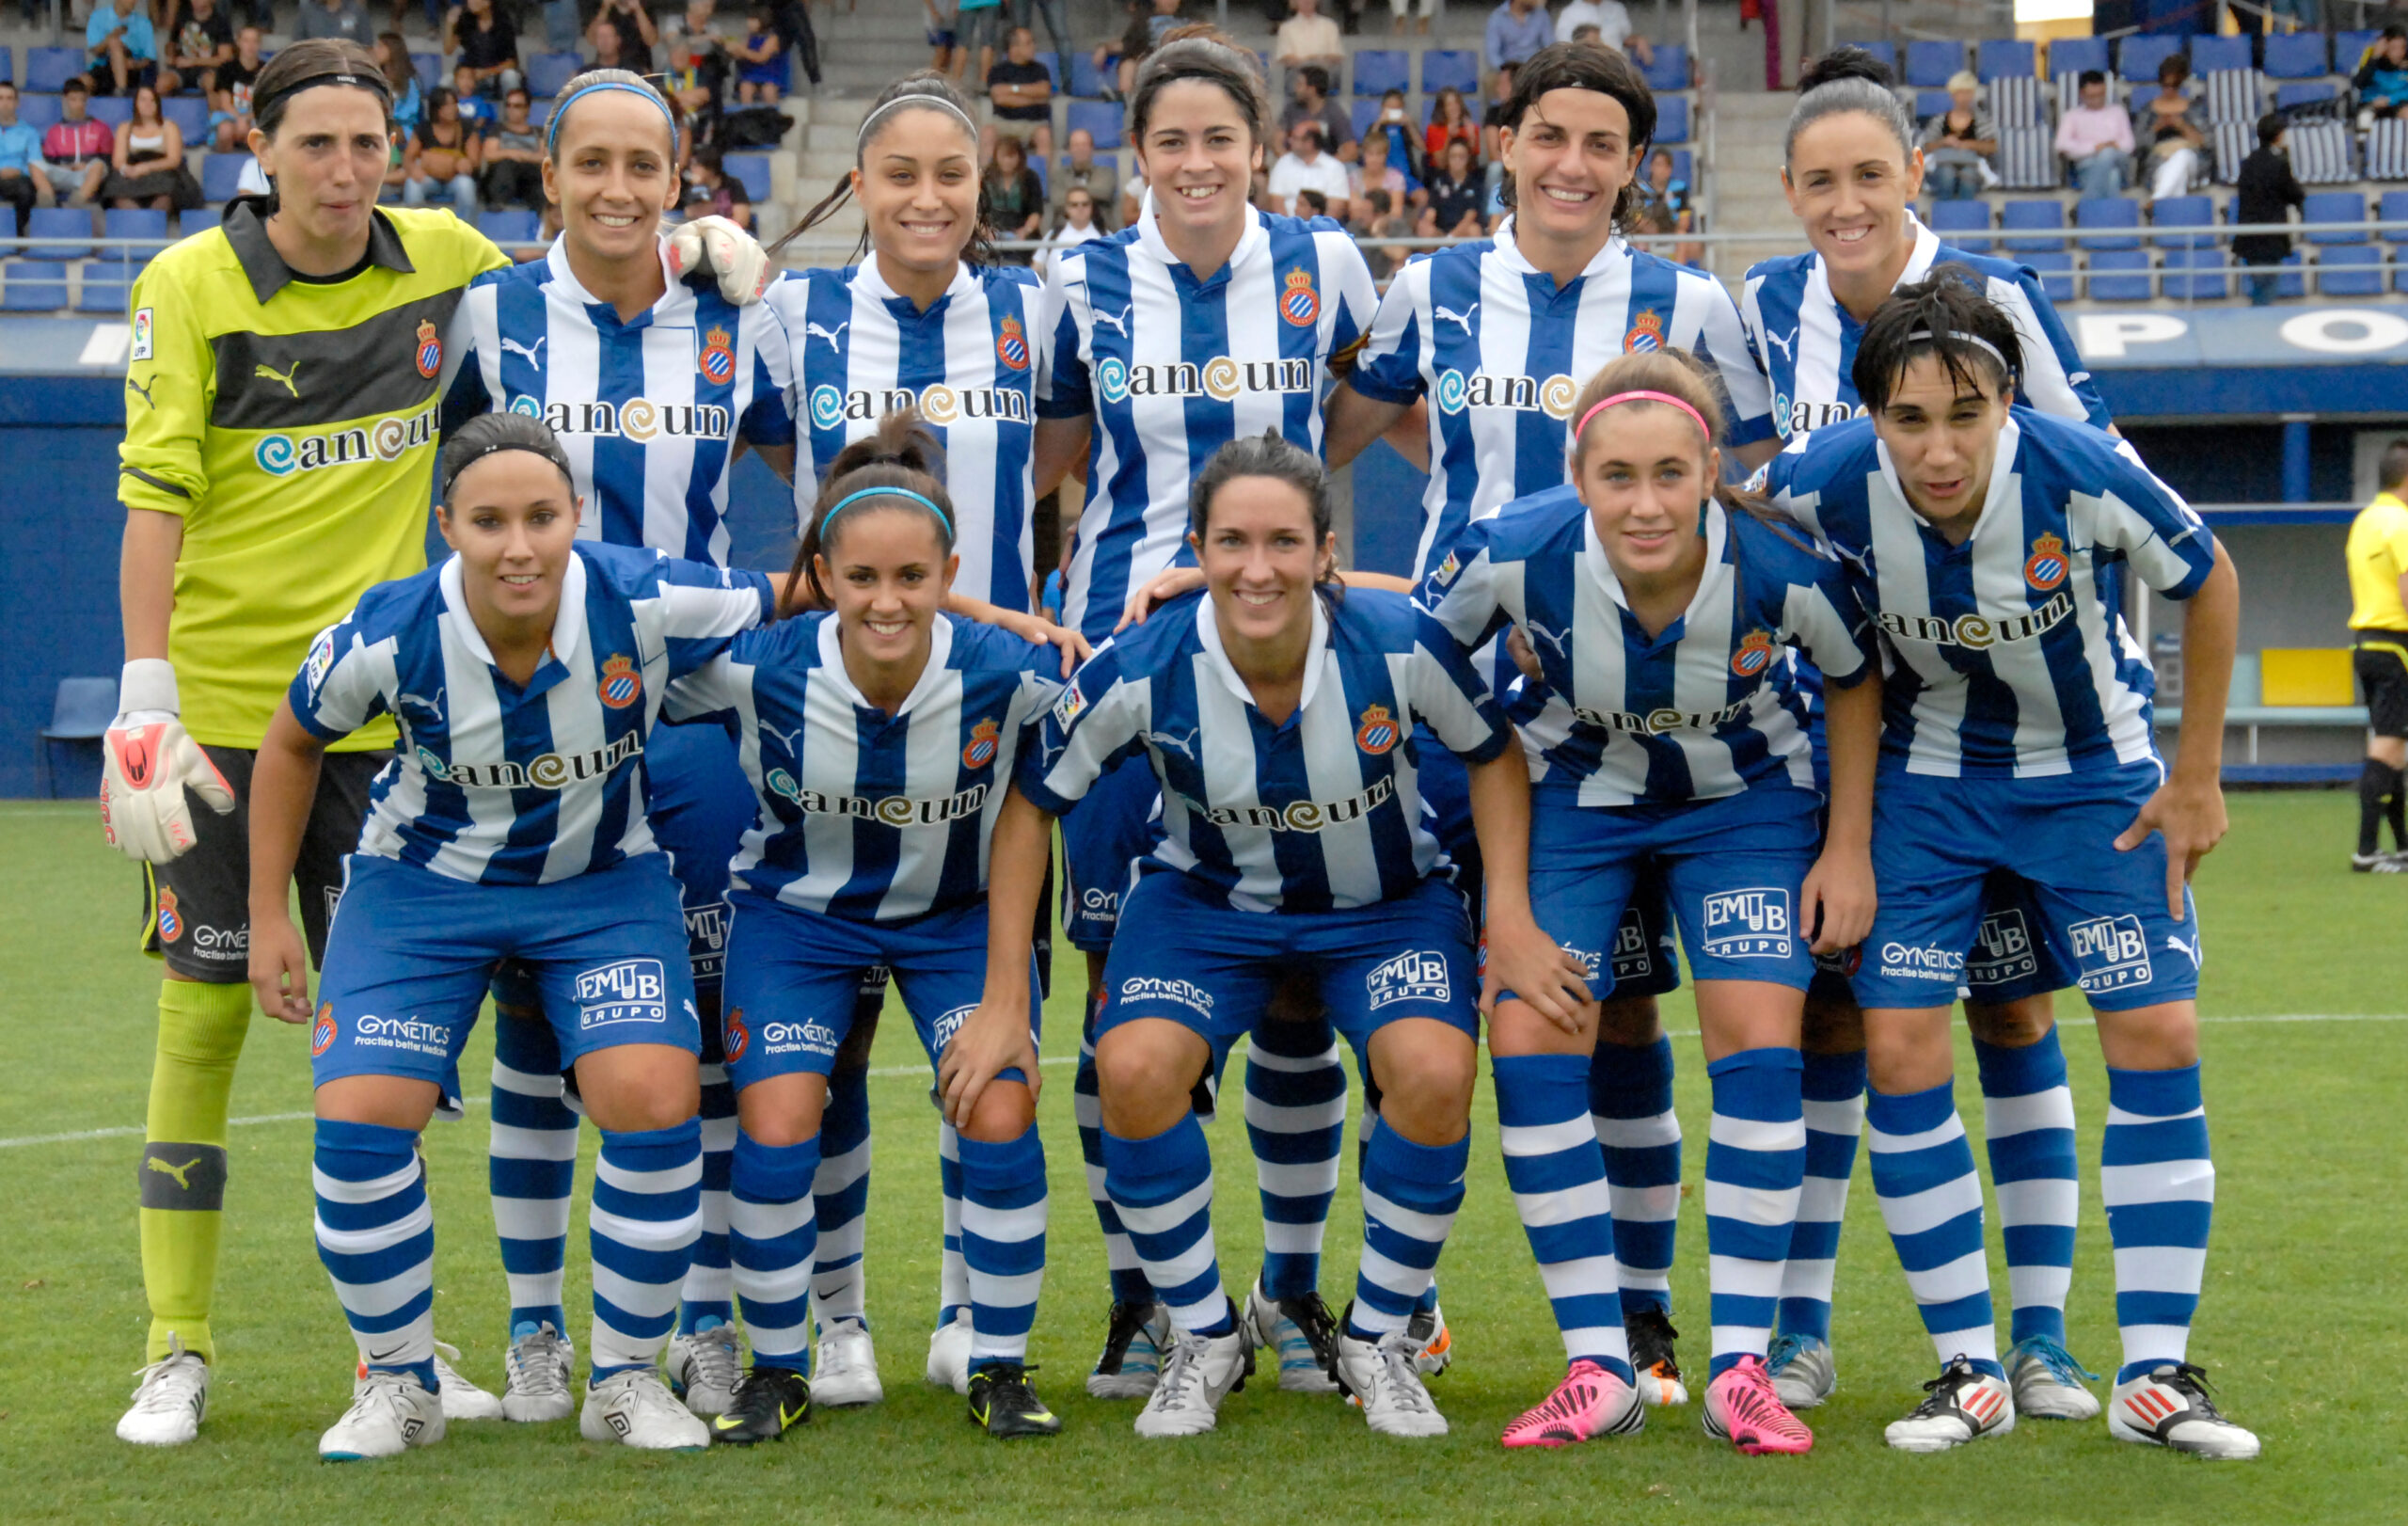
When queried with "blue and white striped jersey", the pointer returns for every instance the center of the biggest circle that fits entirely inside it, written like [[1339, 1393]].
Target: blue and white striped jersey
[[1174, 367], [648, 411], [1806, 341], [863, 815], [1321, 812], [1501, 353], [1707, 708], [969, 365], [499, 785], [2012, 658]]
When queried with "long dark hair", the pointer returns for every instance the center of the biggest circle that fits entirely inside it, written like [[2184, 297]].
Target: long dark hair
[[1949, 314], [1207, 57], [1584, 66], [903, 454], [1273, 456], [1847, 79], [981, 251]]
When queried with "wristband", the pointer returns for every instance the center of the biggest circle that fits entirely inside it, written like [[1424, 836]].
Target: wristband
[[147, 683]]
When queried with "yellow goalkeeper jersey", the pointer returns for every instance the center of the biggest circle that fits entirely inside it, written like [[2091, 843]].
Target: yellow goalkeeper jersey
[[291, 422]]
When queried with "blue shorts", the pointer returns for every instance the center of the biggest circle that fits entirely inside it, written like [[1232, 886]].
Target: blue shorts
[[794, 976], [1185, 957], [1936, 843], [1106, 833], [1731, 867], [412, 952]]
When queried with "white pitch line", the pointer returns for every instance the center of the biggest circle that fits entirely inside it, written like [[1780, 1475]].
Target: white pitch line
[[135, 1130]]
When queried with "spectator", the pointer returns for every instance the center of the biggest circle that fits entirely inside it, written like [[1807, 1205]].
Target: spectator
[[341, 20], [1082, 171], [2096, 140], [203, 43], [1015, 197], [512, 153], [698, 62], [1661, 187], [1308, 37], [1396, 126], [1516, 29], [2170, 127], [21, 182], [711, 190], [474, 108], [1492, 118], [1057, 24], [1377, 174], [2377, 558], [230, 95], [1146, 25], [2267, 192], [1957, 143], [1309, 101], [1306, 168], [1449, 119], [1379, 219], [487, 47], [75, 152], [1019, 89], [2381, 79], [940, 37], [763, 71], [1077, 226], [441, 157], [1456, 194], [1612, 19], [622, 35], [1309, 205], [1395, 17], [119, 47], [976, 23], [392, 56], [147, 163]]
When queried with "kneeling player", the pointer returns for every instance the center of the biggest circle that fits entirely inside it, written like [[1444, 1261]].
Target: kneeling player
[[525, 674], [1989, 546]]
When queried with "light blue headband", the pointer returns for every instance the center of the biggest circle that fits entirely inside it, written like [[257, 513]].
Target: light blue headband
[[849, 498], [552, 130]]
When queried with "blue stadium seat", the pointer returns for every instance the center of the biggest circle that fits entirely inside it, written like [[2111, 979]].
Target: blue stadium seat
[[2393, 208], [2348, 47], [1671, 69], [547, 71], [1378, 71], [1671, 118], [8, 224], [2194, 275], [1100, 118], [1456, 68], [2287, 96], [2055, 272], [2108, 213], [220, 173], [512, 225], [2210, 54], [39, 112], [2349, 270], [2140, 56], [47, 69], [1681, 168], [2295, 55], [2004, 57], [116, 110], [1359, 117], [71, 224], [1930, 104], [2073, 55], [2334, 207], [1884, 50], [1954, 221], [2293, 279], [539, 112], [190, 113], [1930, 64], [2033, 217], [32, 286], [1085, 84], [2120, 275], [8, 64], [1044, 175], [1052, 62], [430, 70], [133, 222], [2183, 212], [752, 172], [106, 284]]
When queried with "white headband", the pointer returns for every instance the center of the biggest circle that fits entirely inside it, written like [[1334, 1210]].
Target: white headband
[[1924, 336], [940, 102]]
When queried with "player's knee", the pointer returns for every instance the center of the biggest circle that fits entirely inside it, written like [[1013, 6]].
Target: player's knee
[[1629, 1020], [2013, 1025], [1005, 1112], [2162, 1037], [1909, 1051], [1143, 1075], [625, 1103], [1425, 1090]]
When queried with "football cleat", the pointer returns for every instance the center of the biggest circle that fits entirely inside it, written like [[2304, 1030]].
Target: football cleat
[[1303, 1335], [462, 1399], [767, 1403], [2047, 1382], [949, 1354], [1803, 1369], [170, 1402], [1590, 1402], [1434, 1345], [1963, 1404], [636, 1409], [1651, 1335], [1133, 1351], [847, 1367], [1384, 1378], [538, 1369], [2379, 863], [390, 1412], [1197, 1373], [1003, 1404], [704, 1367], [2168, 1406], [1744, 1408]]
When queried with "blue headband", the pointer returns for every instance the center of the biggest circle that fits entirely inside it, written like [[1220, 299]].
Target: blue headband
[[552, 129], [849, 498]]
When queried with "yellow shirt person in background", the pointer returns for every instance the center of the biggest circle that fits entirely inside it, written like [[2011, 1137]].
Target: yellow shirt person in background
[[2378, 557]]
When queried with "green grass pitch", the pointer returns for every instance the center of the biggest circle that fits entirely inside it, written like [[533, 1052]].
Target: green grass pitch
[[2300, 1328]]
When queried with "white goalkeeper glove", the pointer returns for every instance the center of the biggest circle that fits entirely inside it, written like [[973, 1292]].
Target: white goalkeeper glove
[[147, 762], [716, 247]]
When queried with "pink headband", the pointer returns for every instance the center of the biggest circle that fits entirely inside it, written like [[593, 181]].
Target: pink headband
[[1603, 405]]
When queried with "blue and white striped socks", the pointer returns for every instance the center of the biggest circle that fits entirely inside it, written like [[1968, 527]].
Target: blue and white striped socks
[[1002, 1244], [1923, 1173], [841, 1190], [1631, 1103], [531, 1167], [952, 1274], [773, 1238], [1162, 1191], [377, 1239], [2027, 1113], [707, 1298], [1410, 1195], [1832, 1088], [1756, 1160], [1129, 1284], [1295, 1119], [2159, 1183], [647, 1211], [1557, 1174]]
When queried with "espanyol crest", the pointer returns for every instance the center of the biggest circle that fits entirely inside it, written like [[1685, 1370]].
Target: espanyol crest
[[1300, 304], [717, 361], [1010, 347], [1378, 732], [2048, 566], [985, 740], [621, 682], [430, 349], [1754, 654]]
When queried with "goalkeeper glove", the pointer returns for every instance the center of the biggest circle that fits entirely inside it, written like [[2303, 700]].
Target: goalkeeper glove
[[146, 761], [716, 247]]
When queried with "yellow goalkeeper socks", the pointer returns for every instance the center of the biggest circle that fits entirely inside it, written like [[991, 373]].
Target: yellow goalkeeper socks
[[183, 1162]]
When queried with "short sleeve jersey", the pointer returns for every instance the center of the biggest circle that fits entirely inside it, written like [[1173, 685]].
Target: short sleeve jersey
[[2378, 557]]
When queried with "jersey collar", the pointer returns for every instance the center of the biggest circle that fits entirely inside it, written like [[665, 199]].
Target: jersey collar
[[1207, 634], [2010, 442], [265, 269], [872, 280], [1255, 238], [676, 301], [1613, 252], [1717, 558], [832, 664], [568, 625]]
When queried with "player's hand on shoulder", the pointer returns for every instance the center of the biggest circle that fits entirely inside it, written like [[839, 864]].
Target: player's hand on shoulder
[[713, 246], [1160, 589]]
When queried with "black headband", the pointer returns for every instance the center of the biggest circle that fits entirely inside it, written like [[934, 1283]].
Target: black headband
[[376, 84], [548, 449]]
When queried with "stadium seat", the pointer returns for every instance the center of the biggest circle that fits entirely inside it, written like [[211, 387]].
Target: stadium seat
[[547, 71], [2194, 275], [2295, 54], [1930, 104], [752, 172], [1100, 118], [2027, 159], [2070, 56], [80, 711], [2388, 149], [2334, 207], [2322, 152], [2108, 213], [190, 114], [106, 283], [2393, 208], [134, 222], [2002, 57], [1671, 118], [1671, 69], [2293, 279], [2235, 95], [1052, 62], [2183, 212], [39, 112], [116, 110], [1884, 50], [512, 225], [2349, 47], [1930, 64], [1962, 223], [73, 224], [2042, 223], [2140, 56], [7, 64], [2211, 54], [47, 69], [2120, 275], [1378, 71], [1359, 117], [1085, 84], [430, 70], [2349, 270], [539, 112], [220, 175], [2306, 94], [2055, 272], [32, 286], [1457, 69]]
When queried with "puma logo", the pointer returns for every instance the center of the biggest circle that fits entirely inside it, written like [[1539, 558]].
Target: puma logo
[[1560, 641], [152, 1162], [1119, 321], [510, 346], [1461, 320], [285, 376], [1786, 351], [1175, 741], [144, 388], [812, 331]]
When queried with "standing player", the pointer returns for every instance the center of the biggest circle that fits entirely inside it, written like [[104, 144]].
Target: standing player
[[1853, 174], [1990, 546], [1672, 732], [526, 674], [879, 735], [1275, 712], [2378, 557], [1204, 322]]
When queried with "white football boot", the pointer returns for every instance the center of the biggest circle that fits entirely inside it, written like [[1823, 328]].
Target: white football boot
[[845, 1377], [390, 1412], [636, 1409], [172, 1402]]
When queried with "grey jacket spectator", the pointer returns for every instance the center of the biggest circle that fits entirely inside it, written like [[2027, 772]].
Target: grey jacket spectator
[[1100, 176], [345, 19]]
